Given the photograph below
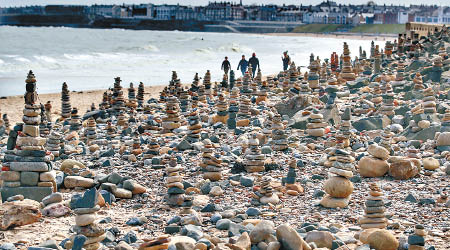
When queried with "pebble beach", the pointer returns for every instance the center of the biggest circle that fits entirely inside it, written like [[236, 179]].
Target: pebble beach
[[351, 153]]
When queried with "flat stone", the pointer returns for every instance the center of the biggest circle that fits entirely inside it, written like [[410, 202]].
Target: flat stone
[[53, 198], [78, 181], [29, 178], [84, 219], [29, 166]]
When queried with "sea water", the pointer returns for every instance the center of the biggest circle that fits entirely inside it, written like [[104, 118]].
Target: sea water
[[89, 59]]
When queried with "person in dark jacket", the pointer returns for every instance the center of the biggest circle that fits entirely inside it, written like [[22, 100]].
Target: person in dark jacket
[[243, 64], [286, 60], [226, 66], [254, 63]]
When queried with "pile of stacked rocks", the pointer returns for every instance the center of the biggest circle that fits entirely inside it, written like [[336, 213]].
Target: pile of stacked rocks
[[105, 101], [26, 170], [194, 126], [279, 138], [386, 140], [140, 94], [418, 82], [429, 101], [54, 143], [185, 100], [244, 108], [313, 76], [347, 71], [233, 108], [254, 160], [266, 193], [416, 241], [175, 192], [339, 188], [152, 149], [374, 212], [201, 94], [292, 187], [207, 83], [118, 100], [374, 165], [315, 126], [75, 120], [211, 164], [345, 127], [91, 130], [172, 119], [132, 96], [66, 108], [86, 229], [121, 120], [222, 110]]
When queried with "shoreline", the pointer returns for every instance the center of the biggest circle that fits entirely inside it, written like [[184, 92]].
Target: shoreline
[[357, 36], [12, 105]]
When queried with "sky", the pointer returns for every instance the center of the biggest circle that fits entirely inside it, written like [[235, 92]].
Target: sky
[[9, 3]]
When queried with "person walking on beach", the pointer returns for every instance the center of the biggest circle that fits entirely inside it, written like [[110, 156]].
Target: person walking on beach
[[286, 60], [254, 63], [243, 64], [226, 66]]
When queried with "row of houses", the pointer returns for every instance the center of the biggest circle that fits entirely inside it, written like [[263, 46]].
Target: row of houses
[[328, 12]]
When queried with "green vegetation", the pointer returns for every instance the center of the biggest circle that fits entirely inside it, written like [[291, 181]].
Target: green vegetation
[[364, 28], [379, 28], [318, 28]]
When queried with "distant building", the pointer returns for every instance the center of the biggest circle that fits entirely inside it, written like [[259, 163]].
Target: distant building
[[224, 11]]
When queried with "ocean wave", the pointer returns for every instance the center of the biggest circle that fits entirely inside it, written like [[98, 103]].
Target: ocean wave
[[81, 57], [1, 61], [47, 59], [21, 59]]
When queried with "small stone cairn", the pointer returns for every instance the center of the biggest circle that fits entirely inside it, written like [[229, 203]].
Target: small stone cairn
[[374, 212]]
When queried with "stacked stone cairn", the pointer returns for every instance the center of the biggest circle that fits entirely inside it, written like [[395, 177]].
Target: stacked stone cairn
[[233, 108], [222, 110], [374, 165], [132, 102], [347, 70], [172, 119], [315, 126], [254, 159], [416, 241], [313, 76], [75, 120], [207, 83], [26, 170], [175, 192], [86, 227], [91, 130], [66, 108], [374, 212], [339, 188], [194, 127], [118, 100], [211, 164], [185, 100], [418, 82], [140, 94], [54, 143], [266, 193], [292, 187], [152, 149], [279, 138], [429, 101]]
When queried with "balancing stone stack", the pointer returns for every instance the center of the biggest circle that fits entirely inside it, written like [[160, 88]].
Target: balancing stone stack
[[211, 164], [54, 143], [26, 168], [374, 212], [222, 110], [194, 127], [91, 130], [316, 125], [75, 120], [347, 70], [339, 188], [279, 138], [254, 160], [66, 108], [86, 227], [175, 192], [172, 119]]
